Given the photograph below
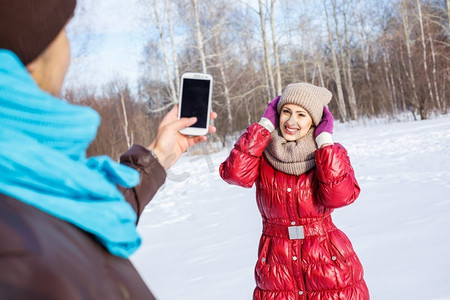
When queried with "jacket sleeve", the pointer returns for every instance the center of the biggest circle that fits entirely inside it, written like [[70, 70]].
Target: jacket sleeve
[[152, 176], [337, 183], [242, 165]]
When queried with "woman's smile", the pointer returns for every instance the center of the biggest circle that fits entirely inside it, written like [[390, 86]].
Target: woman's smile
[[295, 122], [290, 130]]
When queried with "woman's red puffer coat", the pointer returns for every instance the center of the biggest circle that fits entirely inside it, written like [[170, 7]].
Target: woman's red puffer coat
[[302, 255]]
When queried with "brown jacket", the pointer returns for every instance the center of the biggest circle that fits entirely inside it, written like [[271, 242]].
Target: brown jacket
[[42, 257]]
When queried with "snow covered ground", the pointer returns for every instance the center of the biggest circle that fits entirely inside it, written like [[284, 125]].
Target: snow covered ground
[[200, 235]]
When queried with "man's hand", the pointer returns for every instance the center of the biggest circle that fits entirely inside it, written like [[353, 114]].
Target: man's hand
[[169, 143]]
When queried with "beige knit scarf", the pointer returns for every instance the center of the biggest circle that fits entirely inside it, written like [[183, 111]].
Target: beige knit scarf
[[296, 157]]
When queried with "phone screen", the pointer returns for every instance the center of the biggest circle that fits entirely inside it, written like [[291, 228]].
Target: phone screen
[[194, 100]]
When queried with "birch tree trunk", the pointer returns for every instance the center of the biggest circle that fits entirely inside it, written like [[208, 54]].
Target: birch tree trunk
[[266, 77], [278, 85], [434, 72], [173, 92], [318, 63], [365, 50], [448, 14], [348, 66], [407, 103], [305, 69], [365, 45], [304, 65], [337, 76], [199, 37], [410, 73], [388, 77], [266, 52], [322, 83], [176, 67], [125, 122], [339, 42], [424, 52], [395, 105], [226, 91]]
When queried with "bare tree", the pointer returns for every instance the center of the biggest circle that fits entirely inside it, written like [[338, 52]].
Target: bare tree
[[267, 61], [448, 14], [278, 85], [424, 52], [389, 78], [410, 70], [220, 50], [364, 41], [173, 46], [347, 58], [168, 64], [125, 122], [226, 90], [434, 69], [337, 76], [318, 63], [199, 36]]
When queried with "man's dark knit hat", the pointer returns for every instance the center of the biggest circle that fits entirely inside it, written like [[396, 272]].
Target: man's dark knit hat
[[27, 27]]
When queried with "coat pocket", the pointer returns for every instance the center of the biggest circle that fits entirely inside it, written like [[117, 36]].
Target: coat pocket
[[271, 271], [340, 244]]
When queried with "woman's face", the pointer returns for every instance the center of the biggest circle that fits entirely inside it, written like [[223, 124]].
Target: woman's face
[[295, 122]]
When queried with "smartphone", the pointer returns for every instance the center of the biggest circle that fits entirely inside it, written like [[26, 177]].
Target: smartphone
[[195, 101]]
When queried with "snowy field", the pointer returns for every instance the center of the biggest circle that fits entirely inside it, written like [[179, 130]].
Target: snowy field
[[200, 235]]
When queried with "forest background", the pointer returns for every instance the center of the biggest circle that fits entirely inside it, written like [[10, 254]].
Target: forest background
[[382, 58]]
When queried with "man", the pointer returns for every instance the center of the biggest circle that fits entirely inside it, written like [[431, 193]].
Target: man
[[66, 231]]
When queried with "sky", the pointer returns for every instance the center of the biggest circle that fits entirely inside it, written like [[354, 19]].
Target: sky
[[200, 235], [107, 39]]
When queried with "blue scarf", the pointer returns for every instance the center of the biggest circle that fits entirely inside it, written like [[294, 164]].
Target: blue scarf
[[43, 142]]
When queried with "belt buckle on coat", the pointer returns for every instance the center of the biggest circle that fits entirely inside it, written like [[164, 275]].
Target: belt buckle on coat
[[296, 232]]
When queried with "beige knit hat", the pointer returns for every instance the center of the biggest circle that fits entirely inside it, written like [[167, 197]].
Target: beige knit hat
[[311, 97]]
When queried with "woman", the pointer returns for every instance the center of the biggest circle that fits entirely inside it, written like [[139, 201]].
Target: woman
[[301, 176]]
